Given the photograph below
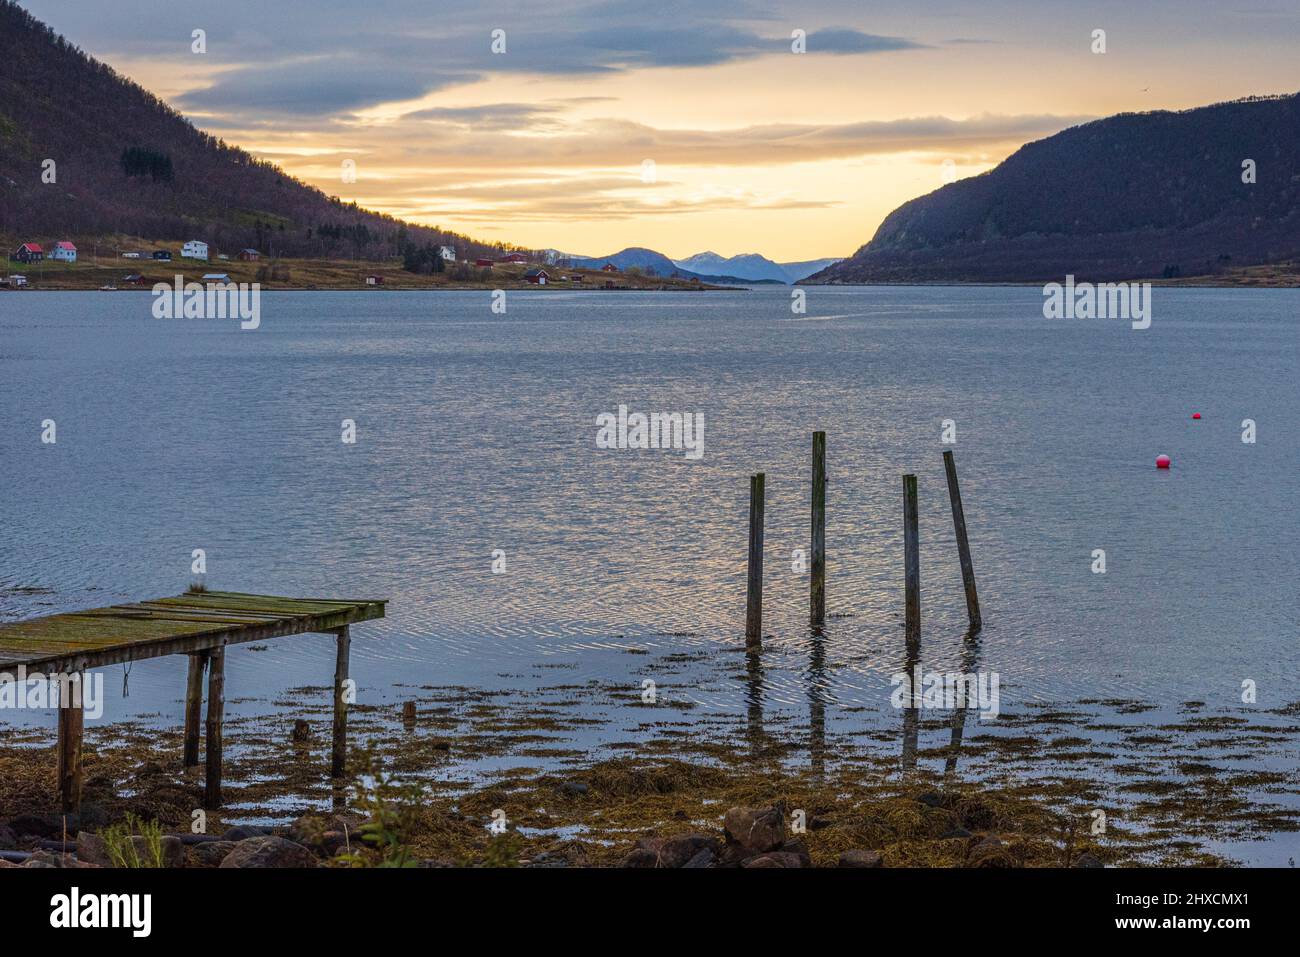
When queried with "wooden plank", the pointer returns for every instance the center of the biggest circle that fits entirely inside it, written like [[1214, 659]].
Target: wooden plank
[[338, 758], [216, 711], [817, 593], [71, 722], [912, 561], [195, 621], [963, 544], [754, 584], [194, 707]]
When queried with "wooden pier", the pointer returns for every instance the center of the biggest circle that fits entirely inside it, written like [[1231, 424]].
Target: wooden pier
[[199, 624]]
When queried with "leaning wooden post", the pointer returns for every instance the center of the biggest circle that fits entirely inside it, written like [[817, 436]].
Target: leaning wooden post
[[754, 588], [817, 595], [963, 545], [338, 762], [194, 706], [216, 710], [71, 722], [912, 560]]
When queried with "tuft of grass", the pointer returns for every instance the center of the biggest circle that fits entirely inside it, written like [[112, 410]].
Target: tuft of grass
[[125, 851]]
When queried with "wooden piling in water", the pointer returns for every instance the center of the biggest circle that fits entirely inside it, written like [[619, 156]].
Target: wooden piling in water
[[194, 707], [71, 723], [212, 733], [754, 587], [338, 760], [963, 545], [911, 561], [817, 588]]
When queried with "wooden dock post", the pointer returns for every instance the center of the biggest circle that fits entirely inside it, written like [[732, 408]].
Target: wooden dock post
[[194, 706], [817, 593], [72, 717], [338, 760], [963, 545], [912, 560], [216, 710], [754, 588]]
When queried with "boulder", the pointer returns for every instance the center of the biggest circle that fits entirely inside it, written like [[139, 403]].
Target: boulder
[[37, 826], [775, 859], [210, 853], [679, 851], [91, 849], [243, 832], [754, 830], [861, 859], [268, 852]]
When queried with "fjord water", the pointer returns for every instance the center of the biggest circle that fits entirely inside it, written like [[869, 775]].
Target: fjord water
[[476, 432]]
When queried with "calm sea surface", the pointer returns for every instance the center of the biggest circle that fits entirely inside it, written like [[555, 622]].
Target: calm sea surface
[[476, 432]]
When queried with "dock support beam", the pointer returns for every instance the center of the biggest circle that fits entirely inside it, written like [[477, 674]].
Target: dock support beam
[[338, 762], [71, 722], [912, 561], [817, 594], [216, 710], [754, 585], [194, 706], [963, 546]]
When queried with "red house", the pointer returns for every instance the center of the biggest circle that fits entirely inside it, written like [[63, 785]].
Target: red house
[[28, 253]]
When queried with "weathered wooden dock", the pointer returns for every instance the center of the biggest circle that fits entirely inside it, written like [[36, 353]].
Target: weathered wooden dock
[[199, 624]]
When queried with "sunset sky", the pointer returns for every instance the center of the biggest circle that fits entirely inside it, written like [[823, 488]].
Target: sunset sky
[[755, 148]]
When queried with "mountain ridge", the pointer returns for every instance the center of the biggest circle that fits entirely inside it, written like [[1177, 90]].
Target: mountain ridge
[[1160, 194]]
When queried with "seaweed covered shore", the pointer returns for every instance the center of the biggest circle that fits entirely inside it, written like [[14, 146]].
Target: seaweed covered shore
[[456, 776]]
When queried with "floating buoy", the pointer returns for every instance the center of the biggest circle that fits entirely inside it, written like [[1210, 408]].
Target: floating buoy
[[1196, 415], [1162, 461]]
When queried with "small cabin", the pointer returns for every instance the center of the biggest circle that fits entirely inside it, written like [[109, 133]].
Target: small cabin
[[249, 255], [64, 252], [538, 277], [28, 253]]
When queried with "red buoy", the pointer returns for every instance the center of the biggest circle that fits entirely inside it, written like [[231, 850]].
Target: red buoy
[[1196, 415], [1162, 461]]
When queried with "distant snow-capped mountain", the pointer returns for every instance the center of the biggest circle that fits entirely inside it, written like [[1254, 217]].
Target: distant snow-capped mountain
[[752, 266]]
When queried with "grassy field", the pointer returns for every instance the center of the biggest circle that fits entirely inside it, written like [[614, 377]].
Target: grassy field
[[110, 269]]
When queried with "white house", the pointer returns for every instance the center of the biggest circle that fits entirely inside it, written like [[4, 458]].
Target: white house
[[64, 252], [448, 253], [195, 250]]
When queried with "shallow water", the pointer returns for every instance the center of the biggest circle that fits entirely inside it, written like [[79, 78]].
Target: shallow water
[[477, 432]]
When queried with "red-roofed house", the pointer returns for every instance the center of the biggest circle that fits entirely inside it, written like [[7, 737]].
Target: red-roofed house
[[64, 252], [28, 253]]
